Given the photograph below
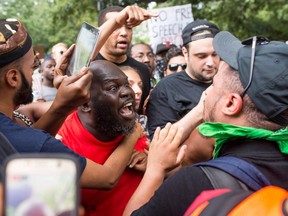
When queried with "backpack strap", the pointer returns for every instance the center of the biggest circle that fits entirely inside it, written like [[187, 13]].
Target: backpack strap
[[221, 179], [238, 168]]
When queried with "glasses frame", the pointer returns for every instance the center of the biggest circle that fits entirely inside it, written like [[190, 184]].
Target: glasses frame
[[260, 40], [182, 65]]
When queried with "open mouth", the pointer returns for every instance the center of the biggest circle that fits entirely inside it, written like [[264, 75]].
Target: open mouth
[[122, 44], [127, 111]]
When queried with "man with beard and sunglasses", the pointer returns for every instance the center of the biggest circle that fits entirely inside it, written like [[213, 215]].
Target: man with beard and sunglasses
[[17, 63], [246, 111], [97, 128], [175, 95]]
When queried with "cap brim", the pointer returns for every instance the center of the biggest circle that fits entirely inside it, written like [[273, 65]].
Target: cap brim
[[227, 46]]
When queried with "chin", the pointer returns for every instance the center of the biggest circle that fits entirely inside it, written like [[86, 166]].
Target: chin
[[137, 107]]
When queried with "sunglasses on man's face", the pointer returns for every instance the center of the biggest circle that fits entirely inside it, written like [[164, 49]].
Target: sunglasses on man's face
[[174, 67], [256, 40]]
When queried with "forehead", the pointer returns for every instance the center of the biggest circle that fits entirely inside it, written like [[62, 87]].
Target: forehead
[[222, 72], [110, 14], [49, 61], [110, 74], [59, 48], [201, 46], [141, 48], [132, 74], [177, 59]]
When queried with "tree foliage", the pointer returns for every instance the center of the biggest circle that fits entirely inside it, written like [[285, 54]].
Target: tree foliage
[[244, 18], [52, 21]]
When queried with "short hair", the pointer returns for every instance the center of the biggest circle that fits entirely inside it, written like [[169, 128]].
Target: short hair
[[128, 67], [47, 58], [59, 45], [102, 15], [253, 114], [171, 53], [140, 43]]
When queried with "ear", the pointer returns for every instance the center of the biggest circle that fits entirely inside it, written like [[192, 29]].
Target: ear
[[12, 78], [233, 104], [185, 53], [85, 108]]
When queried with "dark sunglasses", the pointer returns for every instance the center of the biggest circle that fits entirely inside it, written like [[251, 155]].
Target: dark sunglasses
[[174, 67], [256, 40]]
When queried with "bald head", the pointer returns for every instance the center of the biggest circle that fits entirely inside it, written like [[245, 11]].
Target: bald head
[[103, 70], [112, 102]]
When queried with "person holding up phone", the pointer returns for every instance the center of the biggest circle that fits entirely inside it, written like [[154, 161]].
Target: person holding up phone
[[16, 69], [73, 91]]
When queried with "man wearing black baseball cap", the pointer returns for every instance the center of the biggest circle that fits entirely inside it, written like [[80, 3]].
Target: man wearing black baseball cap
[[178, 93], [246, 111]]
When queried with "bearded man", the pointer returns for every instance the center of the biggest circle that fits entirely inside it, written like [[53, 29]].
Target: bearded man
[[96, 129]]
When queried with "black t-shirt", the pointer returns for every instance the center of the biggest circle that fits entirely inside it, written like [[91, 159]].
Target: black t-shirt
[[177, 192], [173, 97], [143, 71]]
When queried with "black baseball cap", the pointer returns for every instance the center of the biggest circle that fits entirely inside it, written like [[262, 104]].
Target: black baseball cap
[[269, 85], [164, 47], [197, 26], [15, 41]]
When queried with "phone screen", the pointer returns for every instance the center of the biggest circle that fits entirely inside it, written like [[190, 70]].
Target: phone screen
[[85, 44], [41, 186]]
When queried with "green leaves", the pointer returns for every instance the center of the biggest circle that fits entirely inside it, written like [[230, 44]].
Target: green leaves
[[53, 21]]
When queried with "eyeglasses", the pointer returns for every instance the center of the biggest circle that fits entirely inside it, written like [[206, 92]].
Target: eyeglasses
[[174, 67], [259, 40]]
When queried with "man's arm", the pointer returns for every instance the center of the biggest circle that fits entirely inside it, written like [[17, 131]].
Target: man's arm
[[107, 175], [74, 91], [165, 153], [130, 16], [192, 119]]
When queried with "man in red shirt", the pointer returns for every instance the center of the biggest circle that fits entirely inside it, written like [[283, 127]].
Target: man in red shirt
[[96, 129]]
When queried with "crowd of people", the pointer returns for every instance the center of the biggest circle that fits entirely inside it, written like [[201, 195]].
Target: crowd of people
[[141, 123]]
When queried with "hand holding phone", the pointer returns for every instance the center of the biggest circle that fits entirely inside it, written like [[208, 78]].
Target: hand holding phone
[[83, 53]]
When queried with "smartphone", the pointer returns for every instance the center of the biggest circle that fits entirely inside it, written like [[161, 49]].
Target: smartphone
[[41, 184], [85, 45]]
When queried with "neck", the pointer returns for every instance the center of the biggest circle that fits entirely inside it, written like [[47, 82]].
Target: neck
[[194, 78], [112, 58], [7, 109], [6, 103], [48, 83], [87, 122]]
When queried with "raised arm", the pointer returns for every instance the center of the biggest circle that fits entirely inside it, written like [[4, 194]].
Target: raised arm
[[165, 153], [107, 175], [130, 16], [72, 92], [192, 119]]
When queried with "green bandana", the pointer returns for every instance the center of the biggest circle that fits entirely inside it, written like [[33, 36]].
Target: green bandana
[[225, 132]]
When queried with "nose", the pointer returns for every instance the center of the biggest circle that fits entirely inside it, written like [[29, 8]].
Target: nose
[[126, 92], [210, 61], [123, 31], [179, 69], [137, 90]]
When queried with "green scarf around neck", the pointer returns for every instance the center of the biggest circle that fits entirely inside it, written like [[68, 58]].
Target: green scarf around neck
[[225, 132]]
